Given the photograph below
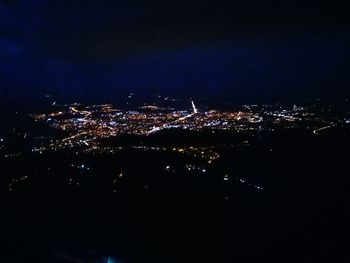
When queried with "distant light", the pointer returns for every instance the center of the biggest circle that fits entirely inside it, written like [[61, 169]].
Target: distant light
[[194, 107]]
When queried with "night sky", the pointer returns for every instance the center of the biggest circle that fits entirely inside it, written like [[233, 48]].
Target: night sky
[[242, 50]]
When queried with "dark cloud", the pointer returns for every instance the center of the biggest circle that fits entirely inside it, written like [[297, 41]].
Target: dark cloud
[[94, 29], [251, 47]]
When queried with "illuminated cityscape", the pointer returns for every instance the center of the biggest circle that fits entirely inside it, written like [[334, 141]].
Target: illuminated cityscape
[[170, 152], [201, 136], [86, 126], [174, 131]]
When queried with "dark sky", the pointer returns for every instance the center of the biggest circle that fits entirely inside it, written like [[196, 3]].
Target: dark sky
[[237, 50]]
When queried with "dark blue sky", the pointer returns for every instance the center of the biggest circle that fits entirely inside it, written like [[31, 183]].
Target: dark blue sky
[[246, 50]]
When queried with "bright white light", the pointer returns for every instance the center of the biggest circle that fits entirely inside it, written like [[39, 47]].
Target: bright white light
[[194, 107]]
